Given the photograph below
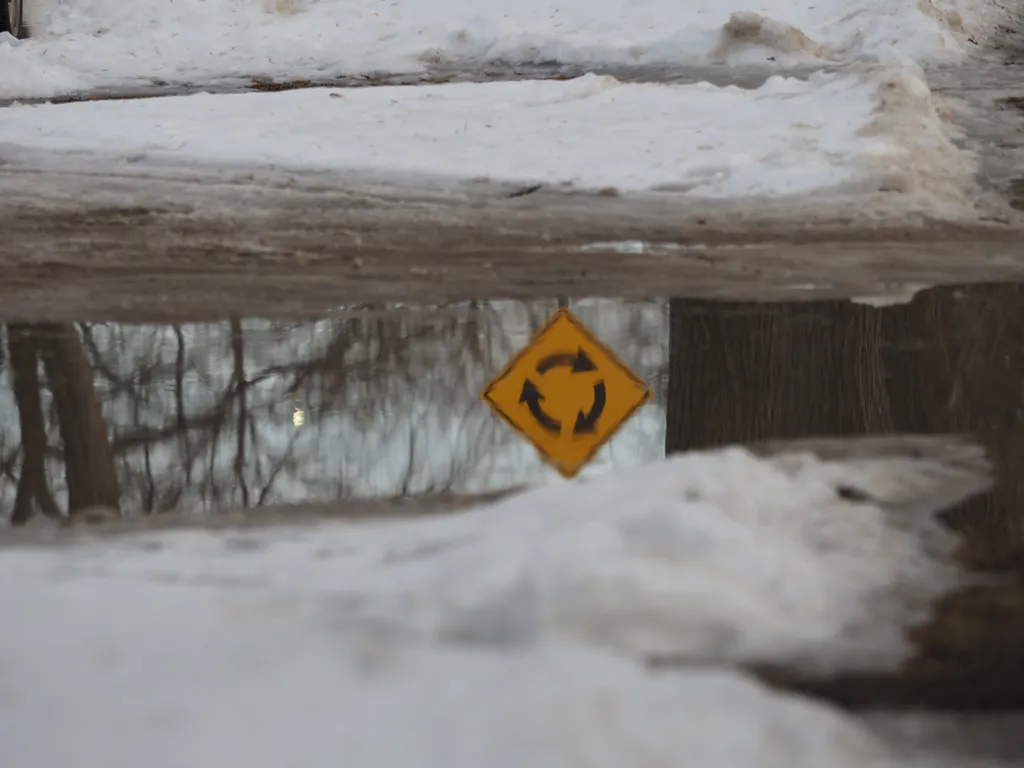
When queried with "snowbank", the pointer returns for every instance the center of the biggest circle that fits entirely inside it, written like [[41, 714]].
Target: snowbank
[[510, 636], [859, 133], [110, 43], [708, 556], [207, 681]]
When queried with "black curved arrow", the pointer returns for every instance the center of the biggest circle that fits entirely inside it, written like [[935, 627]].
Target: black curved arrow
[[579, 362], [586, 423], [532, 397]]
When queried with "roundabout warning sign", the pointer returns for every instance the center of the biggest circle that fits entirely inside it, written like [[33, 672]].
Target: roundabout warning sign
[[566, 393]]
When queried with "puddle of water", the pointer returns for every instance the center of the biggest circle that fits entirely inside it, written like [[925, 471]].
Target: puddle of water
[[952, 360], [378, 402], [384, 401]]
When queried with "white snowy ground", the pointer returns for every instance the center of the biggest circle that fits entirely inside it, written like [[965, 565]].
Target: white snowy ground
[[82, 44], [511, 636], [874, 129]]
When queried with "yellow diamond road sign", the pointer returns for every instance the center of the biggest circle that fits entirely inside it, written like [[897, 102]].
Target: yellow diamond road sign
[[566, 393]]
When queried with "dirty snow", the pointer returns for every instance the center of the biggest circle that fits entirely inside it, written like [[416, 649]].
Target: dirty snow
[[512, 635], [876, 130], [82, 44]]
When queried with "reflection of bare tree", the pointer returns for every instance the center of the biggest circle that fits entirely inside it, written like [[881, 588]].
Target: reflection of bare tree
[[742, 372], [376, 401], [89, 470], [242, 411], [33, 487], [88, 459]]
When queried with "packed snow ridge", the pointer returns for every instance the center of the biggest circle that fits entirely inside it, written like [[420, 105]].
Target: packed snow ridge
[[869, 127], [83, 44], [876, 130], [514, 634]]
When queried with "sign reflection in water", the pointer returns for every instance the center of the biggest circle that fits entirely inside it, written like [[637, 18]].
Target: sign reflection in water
[[374, 402]]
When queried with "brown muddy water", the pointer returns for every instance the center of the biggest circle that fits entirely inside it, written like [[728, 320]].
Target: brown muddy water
[[376, 409]]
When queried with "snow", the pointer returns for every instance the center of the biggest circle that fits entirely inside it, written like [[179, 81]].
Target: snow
[[874, 127], [511, 635], [788, 137], [110, 43], [259, 686], [765, 558]]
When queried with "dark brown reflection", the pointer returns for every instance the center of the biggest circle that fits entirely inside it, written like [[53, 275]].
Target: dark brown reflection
[[89, 474], [951, 361], [376, 402]]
